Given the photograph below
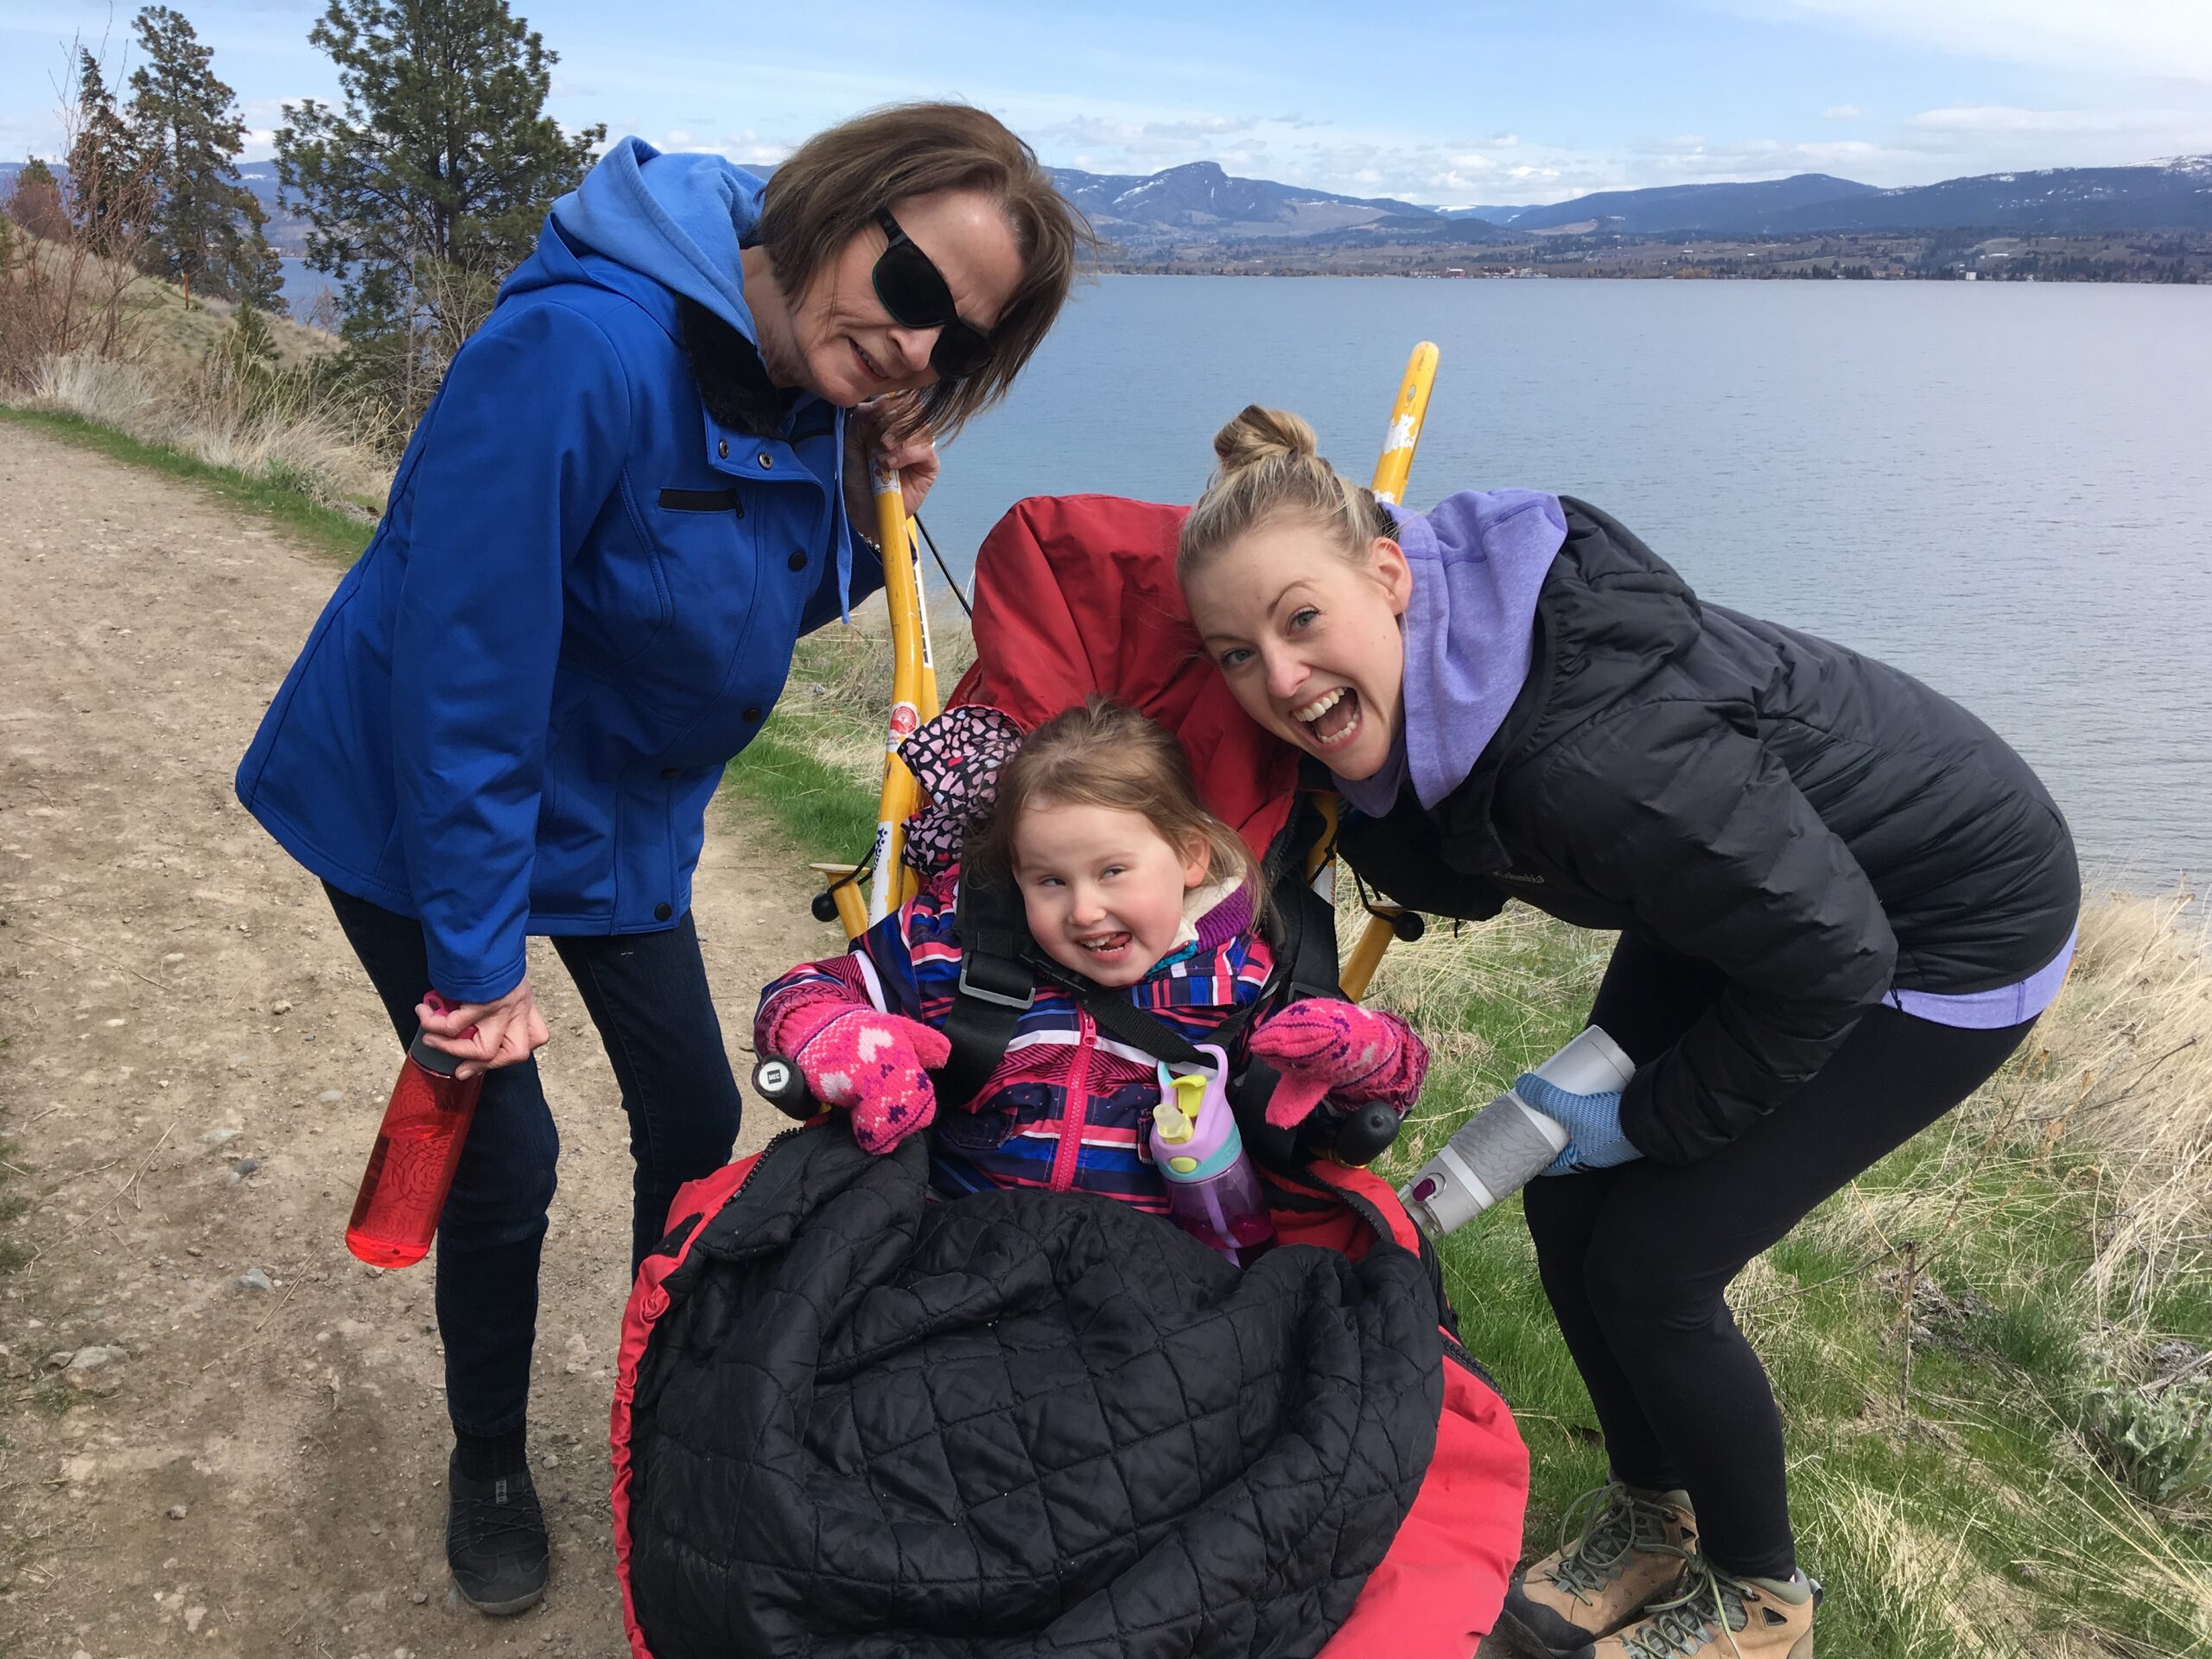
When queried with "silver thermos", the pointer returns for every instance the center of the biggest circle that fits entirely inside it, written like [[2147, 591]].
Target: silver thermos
[[1509, 1143]]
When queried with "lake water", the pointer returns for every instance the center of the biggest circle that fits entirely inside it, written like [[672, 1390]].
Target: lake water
[[302, 285], [2005, 489]]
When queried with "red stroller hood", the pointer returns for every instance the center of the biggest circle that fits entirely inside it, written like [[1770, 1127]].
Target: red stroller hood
[[1076, 594]]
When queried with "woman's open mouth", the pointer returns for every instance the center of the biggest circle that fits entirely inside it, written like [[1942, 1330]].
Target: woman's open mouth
[[868, 365], [1331, 720]]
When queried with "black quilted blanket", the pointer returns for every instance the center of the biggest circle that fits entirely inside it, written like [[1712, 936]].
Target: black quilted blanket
[[870, 1425]]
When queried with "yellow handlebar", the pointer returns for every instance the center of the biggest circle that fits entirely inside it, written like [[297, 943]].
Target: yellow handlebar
[[913, 693], [1408, 416]]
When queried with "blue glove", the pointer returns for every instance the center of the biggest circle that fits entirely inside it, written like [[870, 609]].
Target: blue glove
[[1592, 1123]]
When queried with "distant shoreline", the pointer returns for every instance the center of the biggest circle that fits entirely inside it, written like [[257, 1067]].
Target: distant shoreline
[[2181, 257]]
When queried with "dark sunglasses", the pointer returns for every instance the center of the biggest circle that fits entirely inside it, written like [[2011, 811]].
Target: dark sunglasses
[[914, 291]]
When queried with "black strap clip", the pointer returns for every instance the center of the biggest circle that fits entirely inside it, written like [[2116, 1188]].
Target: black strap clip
[[1016, 985]]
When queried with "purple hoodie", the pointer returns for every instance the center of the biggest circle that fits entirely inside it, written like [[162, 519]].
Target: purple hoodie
[[1478, 560]]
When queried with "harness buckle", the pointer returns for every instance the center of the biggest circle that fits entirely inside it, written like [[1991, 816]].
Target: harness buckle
[[985, 993]]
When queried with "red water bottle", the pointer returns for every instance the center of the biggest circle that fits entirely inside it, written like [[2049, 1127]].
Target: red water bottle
[[418, 1146]]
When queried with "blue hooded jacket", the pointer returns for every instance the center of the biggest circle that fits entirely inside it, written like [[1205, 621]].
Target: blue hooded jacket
[[579, 604]]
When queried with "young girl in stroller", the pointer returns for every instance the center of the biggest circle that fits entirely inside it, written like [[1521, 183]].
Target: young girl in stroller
[[1129, 887], [854, 1418]]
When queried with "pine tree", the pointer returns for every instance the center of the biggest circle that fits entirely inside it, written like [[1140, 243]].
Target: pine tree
[[206, 226], [432, 180]]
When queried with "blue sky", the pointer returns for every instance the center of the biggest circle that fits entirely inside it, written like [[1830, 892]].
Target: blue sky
[[1498, 101]]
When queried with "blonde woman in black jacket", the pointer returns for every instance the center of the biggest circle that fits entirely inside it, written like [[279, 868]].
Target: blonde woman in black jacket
[[1842, 901]]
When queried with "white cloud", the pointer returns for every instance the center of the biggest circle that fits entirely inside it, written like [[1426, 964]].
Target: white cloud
[[2136, 37], [1995, 117], [748, 148], [1696, 158], [1972, 139], [1139, 145], [1840, 112]]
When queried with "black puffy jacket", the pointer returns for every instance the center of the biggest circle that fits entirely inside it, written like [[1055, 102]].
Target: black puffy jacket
[[1816, 824], [866, 1425]]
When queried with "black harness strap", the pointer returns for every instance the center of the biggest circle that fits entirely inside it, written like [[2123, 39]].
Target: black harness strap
[[1001, 966], [996, 987]]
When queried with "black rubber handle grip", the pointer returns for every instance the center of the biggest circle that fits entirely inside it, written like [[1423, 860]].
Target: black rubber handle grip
[[1367, 1133], [778, 1083]]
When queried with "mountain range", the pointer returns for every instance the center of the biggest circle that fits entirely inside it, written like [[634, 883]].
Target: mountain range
[[1201, 204]]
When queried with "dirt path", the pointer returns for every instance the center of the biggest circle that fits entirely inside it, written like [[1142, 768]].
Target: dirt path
[[191, 1068]]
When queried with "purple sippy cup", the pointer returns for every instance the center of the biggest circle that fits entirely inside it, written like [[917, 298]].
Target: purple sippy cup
[[1212, 1192]]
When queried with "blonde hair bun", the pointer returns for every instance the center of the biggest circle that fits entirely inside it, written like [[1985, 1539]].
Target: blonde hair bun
[[1271, 467], [1258, 436]]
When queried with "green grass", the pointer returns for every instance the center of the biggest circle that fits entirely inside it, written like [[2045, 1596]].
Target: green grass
[[817, 807], [272, 500]]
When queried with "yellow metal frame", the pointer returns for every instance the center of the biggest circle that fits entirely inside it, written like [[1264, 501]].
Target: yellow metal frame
[[913, 700], [914, 696], [1408, 414]]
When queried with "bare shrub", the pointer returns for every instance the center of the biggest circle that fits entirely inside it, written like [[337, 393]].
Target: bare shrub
[[78, 292]]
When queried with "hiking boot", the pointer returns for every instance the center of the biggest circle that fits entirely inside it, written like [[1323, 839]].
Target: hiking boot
[[1709, 1614], [1632, 1546], [495, 1540]]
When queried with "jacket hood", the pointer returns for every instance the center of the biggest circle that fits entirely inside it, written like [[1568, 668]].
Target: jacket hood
[[678, 219], [1478, 561]]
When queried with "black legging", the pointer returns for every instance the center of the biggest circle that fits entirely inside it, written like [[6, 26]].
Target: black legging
[[647, 993], [1636, 1259]]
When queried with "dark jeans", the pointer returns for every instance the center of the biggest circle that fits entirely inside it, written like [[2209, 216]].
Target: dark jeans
[[1636, 1259], [647, 993]]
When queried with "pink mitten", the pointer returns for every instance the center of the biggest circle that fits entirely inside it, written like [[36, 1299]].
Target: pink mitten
[[1323, 1047], [872, 1063]]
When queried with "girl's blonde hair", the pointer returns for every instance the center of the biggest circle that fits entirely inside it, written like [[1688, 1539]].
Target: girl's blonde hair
[[1105, 753], [1271, 467]]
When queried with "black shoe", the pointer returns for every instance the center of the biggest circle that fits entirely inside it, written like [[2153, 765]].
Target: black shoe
[[495, 1540]]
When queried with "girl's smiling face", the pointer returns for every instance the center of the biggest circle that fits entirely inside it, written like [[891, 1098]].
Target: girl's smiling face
[[1103, 889], [1309, 639]]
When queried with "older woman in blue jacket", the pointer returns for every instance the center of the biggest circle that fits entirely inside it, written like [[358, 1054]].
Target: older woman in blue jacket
[[641, 482]]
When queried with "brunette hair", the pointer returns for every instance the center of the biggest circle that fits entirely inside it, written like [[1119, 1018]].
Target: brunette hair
[[1102, 753], [830, 190], [1271, 467]]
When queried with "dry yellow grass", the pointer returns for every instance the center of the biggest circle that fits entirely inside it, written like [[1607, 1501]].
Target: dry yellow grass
[[274, 431], [156, 328], [2130, 1074]]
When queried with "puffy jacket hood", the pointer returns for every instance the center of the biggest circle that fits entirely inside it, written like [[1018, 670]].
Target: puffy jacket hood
[[678, 219]]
